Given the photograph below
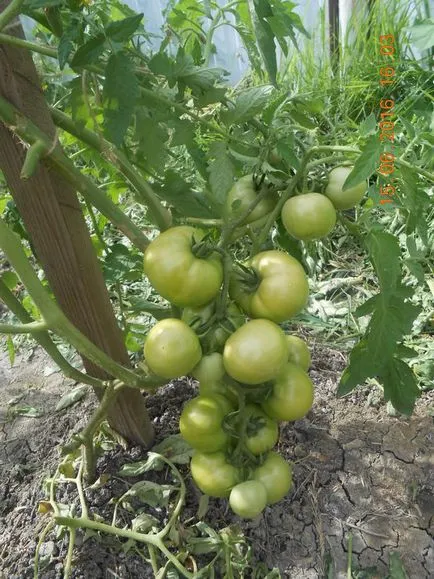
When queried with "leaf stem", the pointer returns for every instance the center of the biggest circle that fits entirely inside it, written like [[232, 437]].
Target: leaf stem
[[30, 133], [52, 314], [10, 12], [30, 328], [144, 192], [45, 341]]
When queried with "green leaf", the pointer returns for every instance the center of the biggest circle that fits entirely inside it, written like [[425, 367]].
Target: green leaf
[[71, 397], [265, 37], [139, 304], [142, 466], [150, 493], [121, 91], [11, 350], [122, 264], [181, 196], [152, 136], [66, 43], [144, 522], [10, 279], [249, 103], [422, 34], [122, 30], [384, 253], [288, 243], [400, 386], [366, 164], [35, 4], [28, 411], [368, 126], [175, 449], [89, 52], [221, 171]]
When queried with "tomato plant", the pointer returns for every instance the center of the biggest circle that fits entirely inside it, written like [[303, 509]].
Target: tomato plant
[[172, 349], [213, 474], [280, 288], [241, 196], [292, 394], [210, 368], [276, 476], [298, 352], [201, 423], [308, 216], [262, 432], [248, 499], [179, 275], [256, 352], [348, 198]]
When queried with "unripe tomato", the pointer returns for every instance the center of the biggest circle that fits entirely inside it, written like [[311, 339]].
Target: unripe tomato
[[298, 352], [176, 273], [344, 199], [256, 352], [219, 332], [241, 196], [212, 388], [276, 476], [292, 395], [172, 349], [210, 368], [248, 499], [282, 289], [308, 216], [212, 474], [262, 432], [201, 423]]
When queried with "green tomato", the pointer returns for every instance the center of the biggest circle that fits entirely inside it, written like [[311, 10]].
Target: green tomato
[[298, 352], [213, 475], [282, 289], [262, 432], [256, 352], [172, 349], [344, 199], [218, 332], [201, 423], [308, 216], [177, 274], [292, 395], [241, 196], [210, 368], [248, 499], [208, 388], [276, 476]]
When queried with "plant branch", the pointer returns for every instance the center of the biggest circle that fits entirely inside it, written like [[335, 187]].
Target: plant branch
[[10, 12], [30, 328], [33, 46], [30, 133], [144, 192], [52, 314], [45, 341]]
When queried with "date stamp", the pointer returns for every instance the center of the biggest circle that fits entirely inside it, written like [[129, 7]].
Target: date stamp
[[386, 121]]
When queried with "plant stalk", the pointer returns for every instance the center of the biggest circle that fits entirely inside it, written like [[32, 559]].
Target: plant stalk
[[54, 155]]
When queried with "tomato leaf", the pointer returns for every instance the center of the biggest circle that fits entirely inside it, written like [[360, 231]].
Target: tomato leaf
[[185, 201], [71, 397], [89, 52], [366, 164], [368, 126], [392, 319], [121, 91], [122, 30], [248, 104], [221, 171], [175, 448], [400, 386]]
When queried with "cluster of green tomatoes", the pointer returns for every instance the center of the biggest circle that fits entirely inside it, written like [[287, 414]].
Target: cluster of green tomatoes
[[251, 374]]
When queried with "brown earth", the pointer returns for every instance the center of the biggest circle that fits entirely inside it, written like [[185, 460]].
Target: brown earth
[[359, 472]]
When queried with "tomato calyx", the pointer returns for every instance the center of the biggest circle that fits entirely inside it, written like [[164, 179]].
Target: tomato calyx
[[247, 276]]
